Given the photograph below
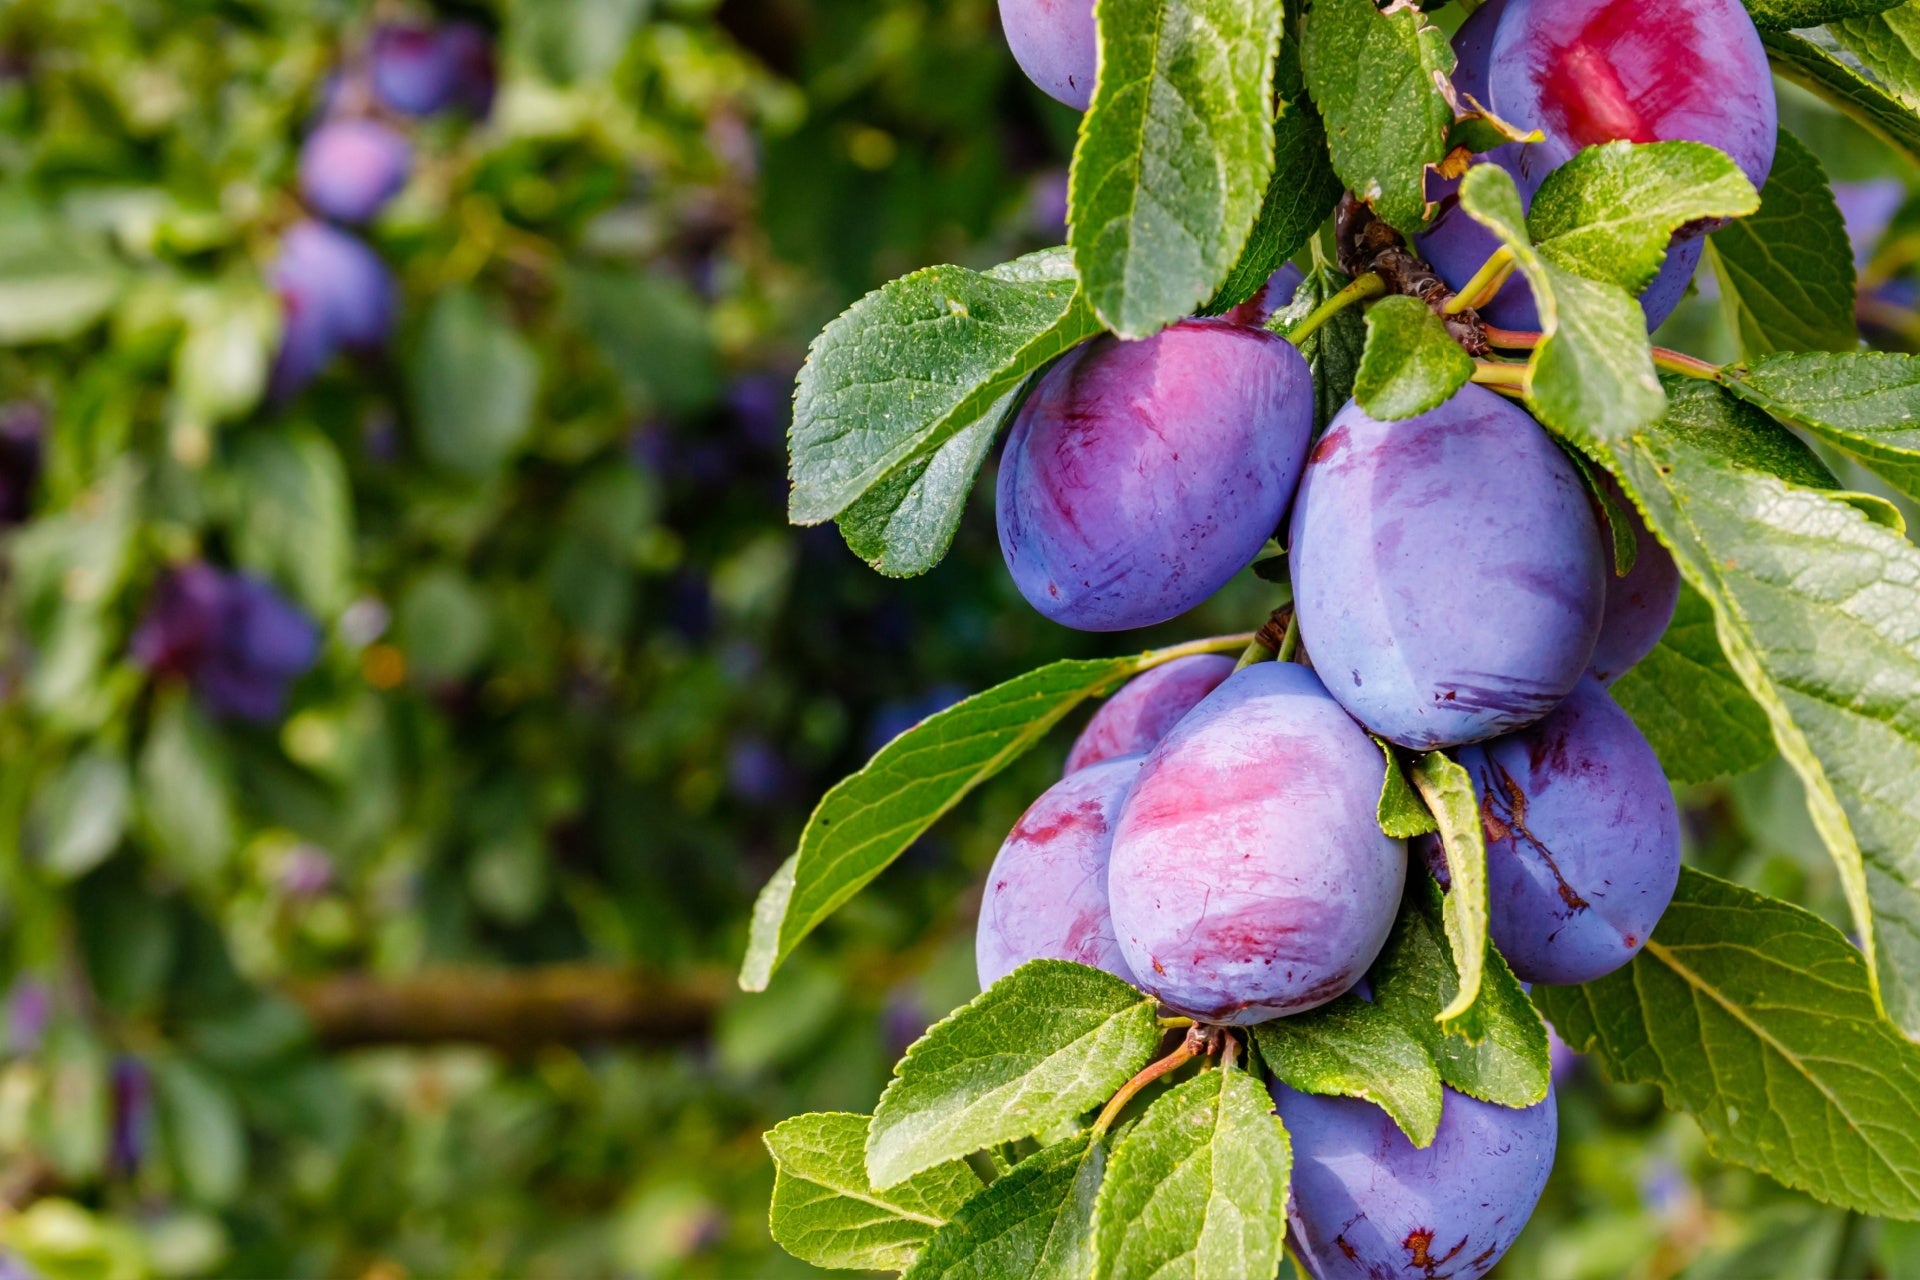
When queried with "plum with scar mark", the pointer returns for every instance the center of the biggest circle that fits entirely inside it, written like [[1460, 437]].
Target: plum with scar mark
[[1249, 879], [1583, 839], [1148, 705], [1140, 476], [1367, 1203], [1046, 896], [1448, 570]]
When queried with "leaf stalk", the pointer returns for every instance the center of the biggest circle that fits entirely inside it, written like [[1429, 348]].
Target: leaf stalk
[[1370, 285]]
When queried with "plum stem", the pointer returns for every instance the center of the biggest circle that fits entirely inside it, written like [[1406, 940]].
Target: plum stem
[[1196, 1041], [1370, 285], [1270, 641], [1681, 362], [1513, 339], [1290, 643], [1484, 283], [1489, 373]]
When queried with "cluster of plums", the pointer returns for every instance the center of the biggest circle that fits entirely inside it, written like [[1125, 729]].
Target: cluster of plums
[[335, 292], [1214, 840]]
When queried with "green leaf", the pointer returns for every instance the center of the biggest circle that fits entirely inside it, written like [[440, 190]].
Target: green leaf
[[201, 1124], [1786, 273], [916, 363], [1302, 193], [1785, 15], [52, 286], [1609, 212], [1333, 351], [1198, 1188], [1887, 44], [1448, 790], [1174, 155], [869, 819], [1591, 378], [1035, 1222], [1505, 1061], [1712, 420], [82, 813], [1696, 714], [652, 331], [1048, 1041], [186, 792], [904, 525], [296, 515], [1815, 62], [474, 380], [221, 366], [825, 1212], [1354, 1049], [1757, 1019], [1411, 363], [1401, 812], [1378, 79], [1865, 402], [1818, 611]]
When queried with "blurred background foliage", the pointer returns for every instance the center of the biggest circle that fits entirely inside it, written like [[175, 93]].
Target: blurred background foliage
[[429, 974]]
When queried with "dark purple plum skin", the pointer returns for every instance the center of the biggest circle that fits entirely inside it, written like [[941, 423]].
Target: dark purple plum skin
[[1448, 570], [418, 70], [1137, 717], [334, 292], [1456, 246], [1140, 476], [1046, 896], [350, 169], [1249, 878], [1054, 42], [1590, 71], [1272, 296], [1583, 839], [1367, 1204], [1640, 605]]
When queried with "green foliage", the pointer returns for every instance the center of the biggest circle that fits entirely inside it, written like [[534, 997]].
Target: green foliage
[[1356, 1049], [1174, 156], [1815, 61], [1686, 699], [1863, 402], [1411, 363], [1448, 790], [1758, 1019], [474, 382], [1333, 351], [1302, 192], [1033, 1222]]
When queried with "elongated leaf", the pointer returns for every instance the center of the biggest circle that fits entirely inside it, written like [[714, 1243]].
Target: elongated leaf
[[1757, 1018], [904, 524], [1785, 15], [1377, 78], [1411, 363], [1865, 402], [1609, 212], [1591, 378], [1815, 61], [827, 1213], [869, 819], [1505, 1059], [1448, 790], [1034, 1223], [1697, 716], [1174, 155], [1713, 420], [1332, 351], [1887, 44], [1302, 192], [1818, 610], [475, 382], [1786, 273], [1048, 1041], [1353, 1049], [1198, 1188], [1401, 812], [917, 362]]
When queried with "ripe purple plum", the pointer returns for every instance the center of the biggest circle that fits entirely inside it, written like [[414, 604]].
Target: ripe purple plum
[[1054, 42], [1046, 896], [349, 169], [1140, 476], [238, 641], [1448, 570], [1272, 296], [1640, 605], [1138, 716], [1367, 1203], [335, 293], [1583, 839], [418, 70], [1249, 878], [1590, 71]]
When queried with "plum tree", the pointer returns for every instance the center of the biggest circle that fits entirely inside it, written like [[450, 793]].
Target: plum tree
[[349, 169], [1639, 605], [1590, 71], [1367, 1202], [1140, 476], [1249, 878], [1138, 716], [1055, 44], [1583, 839], [335, 293], [1046, 895], [1448, 570]]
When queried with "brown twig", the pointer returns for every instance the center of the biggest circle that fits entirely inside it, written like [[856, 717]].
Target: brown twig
[[1367, 244]]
